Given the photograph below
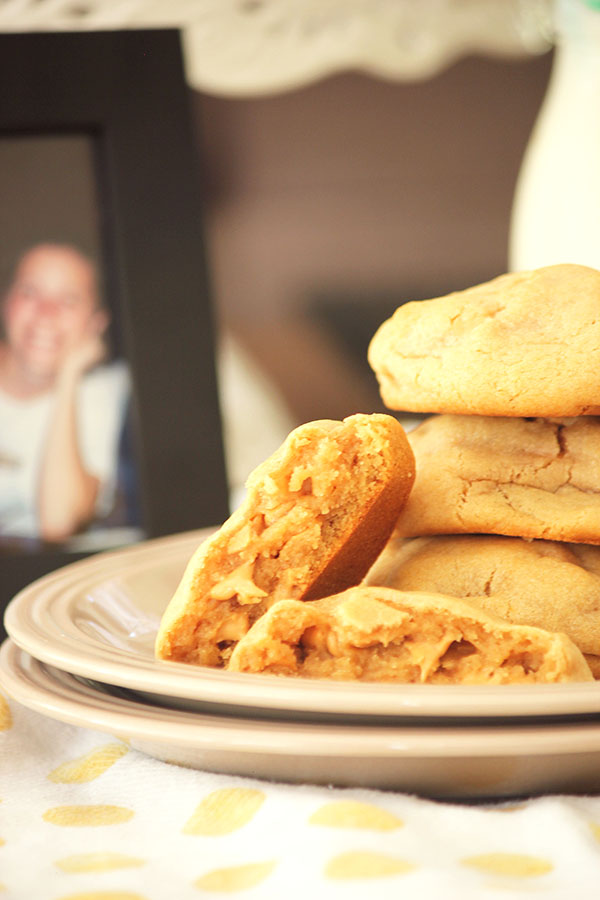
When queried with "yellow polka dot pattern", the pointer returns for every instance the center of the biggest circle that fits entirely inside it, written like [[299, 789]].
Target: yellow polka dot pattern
[[513, 864], [87, 815], [224, 811], [235, 878], [90, 766], [111, 824], [349, 814], [357, 864], [97, 862]]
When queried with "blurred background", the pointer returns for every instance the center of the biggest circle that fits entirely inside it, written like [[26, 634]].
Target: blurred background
[[330, 204], [352, 156]]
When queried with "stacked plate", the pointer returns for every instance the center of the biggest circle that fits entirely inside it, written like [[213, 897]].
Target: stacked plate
[[81, 650]]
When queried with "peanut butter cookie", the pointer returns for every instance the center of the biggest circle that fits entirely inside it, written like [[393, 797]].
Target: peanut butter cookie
[[316, 515], [523, 344], [547, 584], [380, 634], [535, 478]]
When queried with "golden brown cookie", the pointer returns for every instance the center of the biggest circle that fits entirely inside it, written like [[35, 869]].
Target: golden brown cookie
[[316, 515], [535, 478], [523, 344], [380, 634], [547, 584]]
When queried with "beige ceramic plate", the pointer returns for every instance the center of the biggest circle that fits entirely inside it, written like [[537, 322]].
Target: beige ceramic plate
[[98, 618], [438, 761]]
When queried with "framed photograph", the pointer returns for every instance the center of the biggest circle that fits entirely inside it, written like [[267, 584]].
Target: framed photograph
[[110, 427]]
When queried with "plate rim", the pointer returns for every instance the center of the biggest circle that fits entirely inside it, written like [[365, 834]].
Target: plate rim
[[59, 695], [178, 681]]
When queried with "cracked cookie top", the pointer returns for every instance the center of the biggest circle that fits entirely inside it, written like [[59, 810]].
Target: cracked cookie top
[[531, 478]]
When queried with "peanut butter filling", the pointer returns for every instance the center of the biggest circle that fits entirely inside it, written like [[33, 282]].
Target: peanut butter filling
[[369, 634], [302, 507]]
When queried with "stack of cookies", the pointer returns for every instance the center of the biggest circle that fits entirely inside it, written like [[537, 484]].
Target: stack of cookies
[[505, 509], [278, 587], [465, 553]]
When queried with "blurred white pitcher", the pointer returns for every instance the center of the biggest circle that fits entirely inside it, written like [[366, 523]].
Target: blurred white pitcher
[[556, 211]]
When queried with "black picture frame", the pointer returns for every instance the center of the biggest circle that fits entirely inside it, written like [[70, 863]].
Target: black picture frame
[[127, 90]]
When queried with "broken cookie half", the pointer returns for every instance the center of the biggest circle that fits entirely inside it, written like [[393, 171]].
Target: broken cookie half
[[552, 585], [316, 516], [380, 634]]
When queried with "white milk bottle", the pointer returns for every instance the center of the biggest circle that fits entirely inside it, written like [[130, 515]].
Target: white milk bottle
[[556, 210]]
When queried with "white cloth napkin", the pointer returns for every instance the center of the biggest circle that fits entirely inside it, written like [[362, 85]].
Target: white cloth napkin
[[85, 817]]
